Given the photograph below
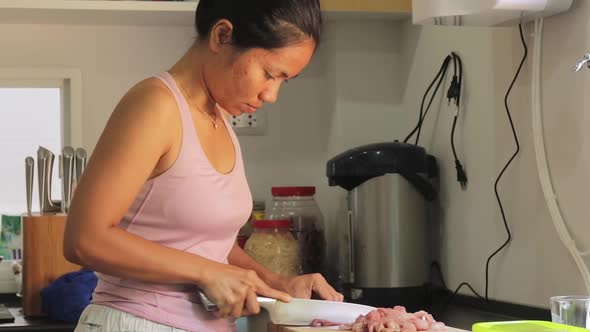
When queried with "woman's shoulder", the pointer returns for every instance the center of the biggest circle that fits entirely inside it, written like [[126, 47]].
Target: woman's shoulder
[[153, 91], [147, 109], [149, 98]]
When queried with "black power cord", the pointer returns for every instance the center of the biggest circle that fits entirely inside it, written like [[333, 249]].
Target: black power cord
[[524, 56], [454, 93], [438, 78], [444, 285], [516, 152]]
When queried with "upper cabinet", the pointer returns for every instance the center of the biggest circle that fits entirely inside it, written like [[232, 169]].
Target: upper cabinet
[[369, 8], [97, 12], [107, 12]]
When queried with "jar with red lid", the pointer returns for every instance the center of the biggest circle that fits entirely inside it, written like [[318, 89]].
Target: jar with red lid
[[272, 245], [258, 208], [298, 205]]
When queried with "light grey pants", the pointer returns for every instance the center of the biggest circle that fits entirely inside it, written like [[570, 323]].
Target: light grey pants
[[99, 318]]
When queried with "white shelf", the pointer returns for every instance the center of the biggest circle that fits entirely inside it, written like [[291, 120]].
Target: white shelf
[[158, 13], [97, 12]]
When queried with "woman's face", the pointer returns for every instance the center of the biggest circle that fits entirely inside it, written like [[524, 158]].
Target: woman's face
[[242, 81]]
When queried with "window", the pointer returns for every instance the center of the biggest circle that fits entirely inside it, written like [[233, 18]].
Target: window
[[38, 107]]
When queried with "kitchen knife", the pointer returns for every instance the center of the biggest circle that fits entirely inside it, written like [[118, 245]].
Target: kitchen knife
[[303, 311], [42, 155], [44, 169], [80, 163], [54, 205], [67, 158], [29, 173]]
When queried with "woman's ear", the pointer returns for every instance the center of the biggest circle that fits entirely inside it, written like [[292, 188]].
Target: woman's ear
[[221, 35]]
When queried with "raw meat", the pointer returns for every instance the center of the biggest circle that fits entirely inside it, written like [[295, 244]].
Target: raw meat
[[395, 319]]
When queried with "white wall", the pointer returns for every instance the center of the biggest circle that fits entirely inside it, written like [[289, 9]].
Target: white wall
[[365, 85], [535, 266], [111, 59]]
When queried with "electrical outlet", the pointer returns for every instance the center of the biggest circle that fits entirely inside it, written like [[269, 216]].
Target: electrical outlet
[[250, 124], [244, 121]]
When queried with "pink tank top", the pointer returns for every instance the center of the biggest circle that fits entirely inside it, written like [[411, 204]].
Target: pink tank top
[[190, 207]]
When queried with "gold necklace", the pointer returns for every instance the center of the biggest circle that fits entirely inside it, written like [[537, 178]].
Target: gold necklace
[[214, 120]]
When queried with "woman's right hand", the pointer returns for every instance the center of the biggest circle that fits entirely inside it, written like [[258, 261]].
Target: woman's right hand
[[234, 291]]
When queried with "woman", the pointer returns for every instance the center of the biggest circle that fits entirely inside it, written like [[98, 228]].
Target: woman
[[164, 193]]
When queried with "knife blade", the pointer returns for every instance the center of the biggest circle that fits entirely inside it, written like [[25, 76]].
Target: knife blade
[[29, 173]]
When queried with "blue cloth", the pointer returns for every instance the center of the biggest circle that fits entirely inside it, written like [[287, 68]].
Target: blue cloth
[[65, 298]]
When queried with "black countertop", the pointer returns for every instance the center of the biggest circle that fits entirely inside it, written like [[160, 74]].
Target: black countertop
[[466, 311], [22, 323], [462, 313], [463, 317]]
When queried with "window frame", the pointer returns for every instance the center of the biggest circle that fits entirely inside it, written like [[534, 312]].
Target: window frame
[[69, 80]]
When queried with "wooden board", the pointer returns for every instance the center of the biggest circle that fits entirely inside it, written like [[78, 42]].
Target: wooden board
[[43, 260]]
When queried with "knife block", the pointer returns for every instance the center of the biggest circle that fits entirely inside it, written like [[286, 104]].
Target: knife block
[[43, 259]]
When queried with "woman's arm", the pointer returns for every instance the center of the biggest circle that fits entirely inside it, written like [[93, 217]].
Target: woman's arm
[[300, 286], [238, 257]]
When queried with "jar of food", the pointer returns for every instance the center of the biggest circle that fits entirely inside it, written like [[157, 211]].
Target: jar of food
[[246, 230], [258, 210], [273, 246], [298, 205]]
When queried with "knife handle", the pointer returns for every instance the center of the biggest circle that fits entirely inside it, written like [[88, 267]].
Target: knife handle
[[206, 302], [29, 173], [80, 163], [264, 302], [45, 168], [50, 205], [67, 170]]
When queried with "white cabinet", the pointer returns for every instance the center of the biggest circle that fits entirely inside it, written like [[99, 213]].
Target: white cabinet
[[105, 12], [98, 12]]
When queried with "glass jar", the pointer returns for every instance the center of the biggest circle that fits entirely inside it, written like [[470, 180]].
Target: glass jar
[[307, 223], [258, 210], [272, 245], [247, 229]]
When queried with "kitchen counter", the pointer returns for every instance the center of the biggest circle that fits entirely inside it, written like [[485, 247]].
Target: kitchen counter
[[22, 323], [464, 317]]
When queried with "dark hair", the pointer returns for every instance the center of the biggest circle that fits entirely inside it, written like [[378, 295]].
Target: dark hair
[[267, 24]]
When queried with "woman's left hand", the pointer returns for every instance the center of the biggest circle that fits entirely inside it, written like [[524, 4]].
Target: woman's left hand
[[305, 285]]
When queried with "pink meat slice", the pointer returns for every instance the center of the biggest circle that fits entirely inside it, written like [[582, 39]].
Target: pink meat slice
[[395, 319]]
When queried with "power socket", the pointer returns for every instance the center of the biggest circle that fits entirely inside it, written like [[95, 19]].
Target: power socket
[[250, 124]]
